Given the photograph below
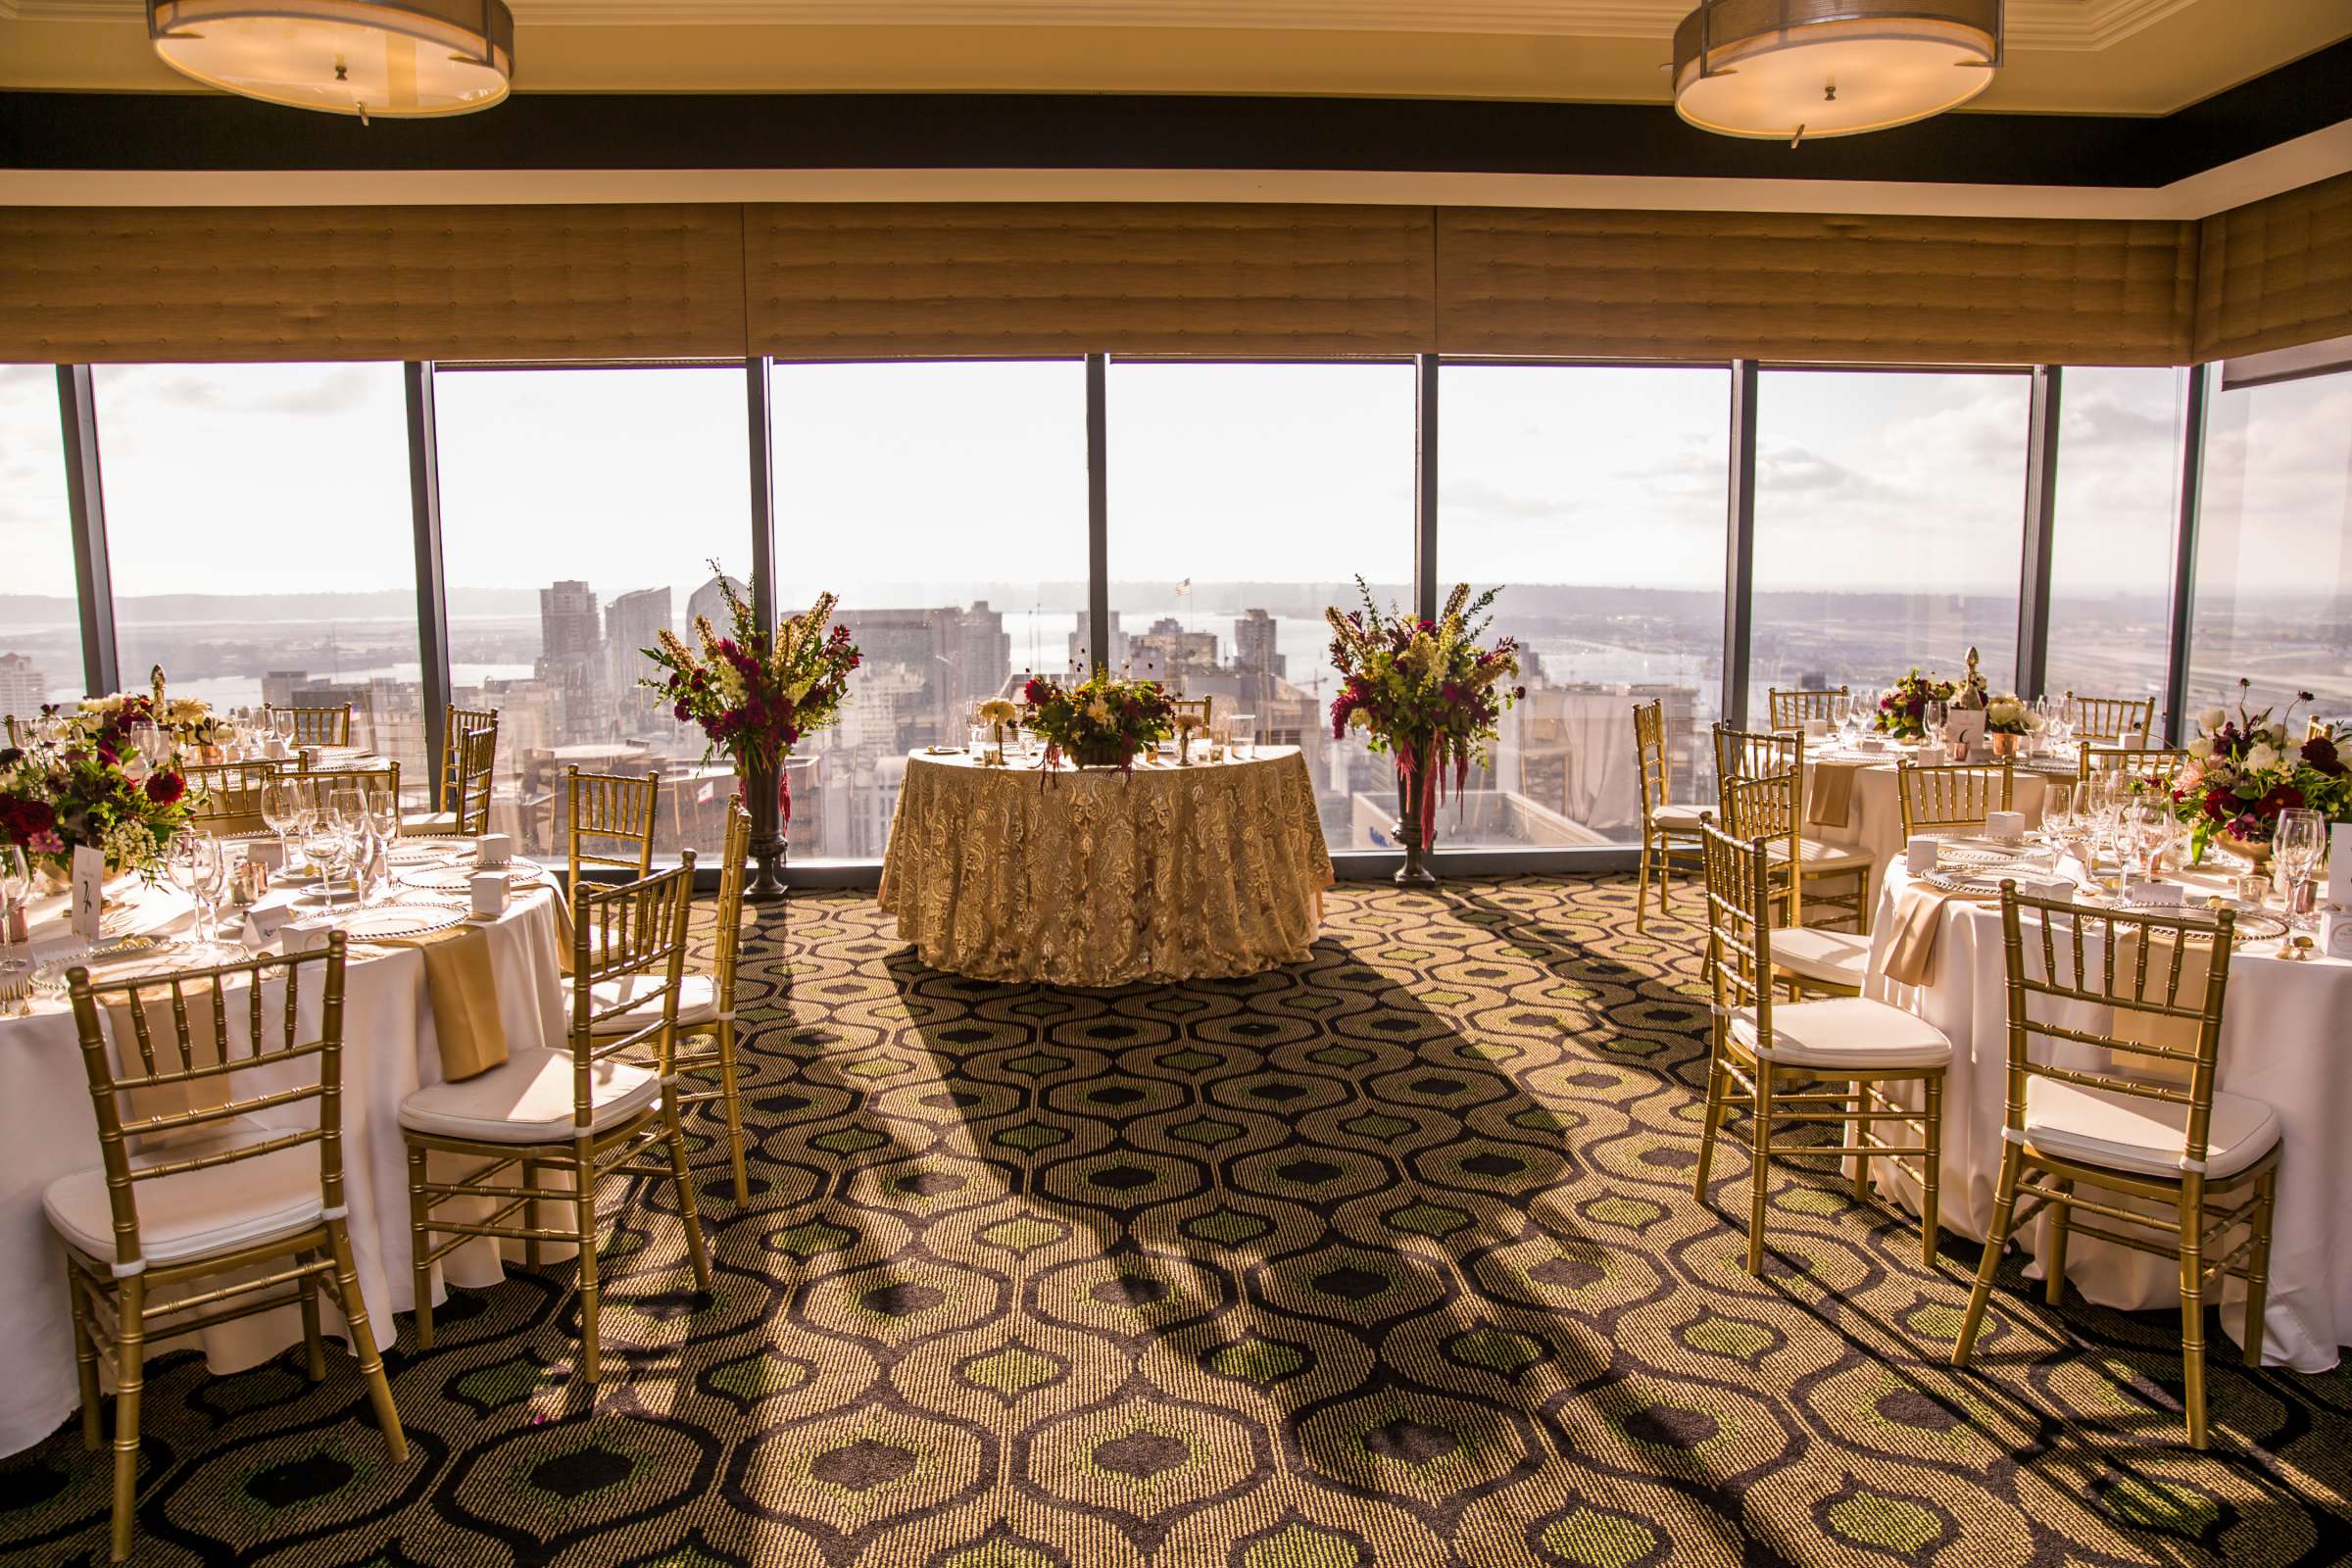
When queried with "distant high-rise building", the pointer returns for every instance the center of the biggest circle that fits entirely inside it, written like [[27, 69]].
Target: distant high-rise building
[[710, 603], [632, 623], [1082, 643], [23, 687], [279, 686], [1168, 651], [1255, 646], [567, 622], [981, 653]]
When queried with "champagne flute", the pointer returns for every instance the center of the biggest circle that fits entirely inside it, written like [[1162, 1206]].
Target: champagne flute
[[278, 811], [2298, 840]]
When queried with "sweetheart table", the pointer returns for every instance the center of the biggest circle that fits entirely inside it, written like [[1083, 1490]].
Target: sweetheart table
[[1100, 876], [2283, 1041], [48, 1128]]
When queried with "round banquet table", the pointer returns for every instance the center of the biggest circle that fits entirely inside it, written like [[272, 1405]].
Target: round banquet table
[[1873, 816], [49, 1129], [1099, 877], [2282, 1041]]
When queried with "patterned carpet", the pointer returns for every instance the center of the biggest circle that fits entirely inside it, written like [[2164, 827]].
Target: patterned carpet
[[1389, 1259]]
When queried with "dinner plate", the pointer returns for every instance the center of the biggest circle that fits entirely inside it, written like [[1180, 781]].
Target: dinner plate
[[1975, 857], [391, 921], [420, 853], [135, 957], [459, 878]]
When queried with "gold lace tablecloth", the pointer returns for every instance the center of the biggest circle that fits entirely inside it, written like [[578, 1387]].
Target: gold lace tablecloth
[[1097, 877]]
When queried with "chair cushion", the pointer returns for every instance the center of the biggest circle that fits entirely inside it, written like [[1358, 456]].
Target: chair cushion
[[419, 824], [1824, 856], [1844, 1032], [1677, 818], [528, 1100], [197, 1212], [2146, 1136], [697, 1002], [1838, 957]]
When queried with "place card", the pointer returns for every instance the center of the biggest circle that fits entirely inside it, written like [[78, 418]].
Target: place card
[[87, 898], [2339, 865], [2007, 827], [493, 849], [268, 854], [2156, 894], [2336, 933], [266, 919], [1817, 730], [1920, 852]]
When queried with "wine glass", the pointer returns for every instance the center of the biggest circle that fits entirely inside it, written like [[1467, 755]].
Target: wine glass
[[278, 810], [2057, 808], [195, 867], [2298, 841]]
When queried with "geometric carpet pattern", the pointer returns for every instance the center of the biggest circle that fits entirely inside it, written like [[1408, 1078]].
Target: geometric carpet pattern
[[1386, 1259]]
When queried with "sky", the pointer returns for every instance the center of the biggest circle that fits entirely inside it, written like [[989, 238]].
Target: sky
[[945, 476]]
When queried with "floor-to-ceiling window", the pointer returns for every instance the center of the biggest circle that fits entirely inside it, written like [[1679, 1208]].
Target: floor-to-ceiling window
[[1594, 497], [945, 503], [581, 511], [40, 622], [2111, 550], [1244, 499], [2274, 587], [258, 532], [1890, 526]]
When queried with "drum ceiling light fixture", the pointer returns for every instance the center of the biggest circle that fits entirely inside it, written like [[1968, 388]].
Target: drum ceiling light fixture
[[397, 58], [1794, 69]]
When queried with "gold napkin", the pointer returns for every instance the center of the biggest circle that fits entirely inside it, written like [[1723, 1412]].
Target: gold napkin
[[1918, 920], [464, 990], [1830, 801]]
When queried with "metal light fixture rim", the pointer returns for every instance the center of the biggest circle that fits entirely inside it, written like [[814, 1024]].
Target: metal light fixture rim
[[488, 42], [1695, 43]]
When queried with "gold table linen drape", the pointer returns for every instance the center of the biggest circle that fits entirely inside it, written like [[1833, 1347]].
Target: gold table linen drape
[[1097, 877]]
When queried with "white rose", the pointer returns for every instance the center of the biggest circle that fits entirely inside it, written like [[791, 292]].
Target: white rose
[[2213, 719], [2344, 751], [2265, 756], [2278, 735], [2201, 747]]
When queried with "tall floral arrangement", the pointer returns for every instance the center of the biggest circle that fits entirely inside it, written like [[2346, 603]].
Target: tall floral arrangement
[[95, 791], [1903, 705], [756, 696], [1104, 718], [2246, 767], [1424, 691]]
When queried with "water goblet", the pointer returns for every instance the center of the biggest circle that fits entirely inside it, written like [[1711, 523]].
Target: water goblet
[[2298, 841]]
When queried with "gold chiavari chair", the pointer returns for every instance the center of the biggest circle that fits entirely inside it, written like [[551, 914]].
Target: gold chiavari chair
[[1791, 710], [1833, 877], [585, 1112], [1669, 831], [1197, 705], [263, 1205], [468, 770], [1757, 754], [706, 1002], [2162, 762], [1855, 1046], [612, 821], [1943, 797], [2209, 1159], [2111, 718], [1804, 959], [321, 726], [2315, 728], [227, 796]]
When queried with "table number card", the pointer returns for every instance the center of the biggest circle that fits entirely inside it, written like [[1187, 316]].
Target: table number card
[[88, 872], [2339, 866]]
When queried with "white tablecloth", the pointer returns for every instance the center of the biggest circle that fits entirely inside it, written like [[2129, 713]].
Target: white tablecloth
[[48, 1128], [2284, 1039], [1875, 820]]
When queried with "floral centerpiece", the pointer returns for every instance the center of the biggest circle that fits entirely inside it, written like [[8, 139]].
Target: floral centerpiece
[[2008, 720], [1903, 705], [2246, 767], [1427, 692], [1099, 722], [755, 696], [97, 790]]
